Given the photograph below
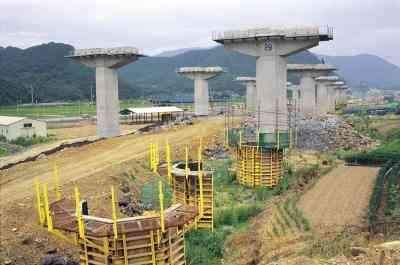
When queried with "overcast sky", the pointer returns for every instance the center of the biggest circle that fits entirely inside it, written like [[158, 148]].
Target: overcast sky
[[361, 26]]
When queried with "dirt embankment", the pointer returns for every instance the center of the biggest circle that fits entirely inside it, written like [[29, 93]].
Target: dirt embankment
[[94, 168]]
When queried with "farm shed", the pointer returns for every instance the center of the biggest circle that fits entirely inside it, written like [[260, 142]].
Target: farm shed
[[152, 114], [13, 127]]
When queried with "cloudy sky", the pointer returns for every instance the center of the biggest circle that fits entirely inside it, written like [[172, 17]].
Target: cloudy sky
[[361, 26]]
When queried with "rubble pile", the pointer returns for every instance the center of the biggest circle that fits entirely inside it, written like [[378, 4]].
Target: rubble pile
[[127, 202], [329, 134]]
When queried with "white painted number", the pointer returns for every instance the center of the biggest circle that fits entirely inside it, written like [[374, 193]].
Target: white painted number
[[268, 45]]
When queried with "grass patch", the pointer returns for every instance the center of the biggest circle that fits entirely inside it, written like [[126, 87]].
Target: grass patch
[[3, 152], [149, 194], [329, 248]]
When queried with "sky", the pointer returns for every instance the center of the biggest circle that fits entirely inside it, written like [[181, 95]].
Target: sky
[[361, 26]]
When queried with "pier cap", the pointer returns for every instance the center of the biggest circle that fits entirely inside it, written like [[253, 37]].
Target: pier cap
[[337, 83], [118, 51], [245, 79], [310, 67], [320, 33], [187, 70], [344, 87], [327, 78]]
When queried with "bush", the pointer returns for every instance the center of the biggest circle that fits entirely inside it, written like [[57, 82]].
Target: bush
[[263, 193], [389, 178], [29, 141], [389, 150], [238, 214], [204, 247], [3, 152]]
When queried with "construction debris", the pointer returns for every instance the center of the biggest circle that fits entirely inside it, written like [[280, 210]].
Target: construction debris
[[127, 202], [329, 134], [54, 259]]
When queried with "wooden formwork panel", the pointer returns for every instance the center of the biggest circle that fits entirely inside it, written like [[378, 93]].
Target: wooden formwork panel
[[137, 248], [259, 167], [187, 191]]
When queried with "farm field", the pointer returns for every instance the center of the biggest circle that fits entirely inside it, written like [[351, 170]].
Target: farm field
[[86, 130], [70, 110], [340, 198]]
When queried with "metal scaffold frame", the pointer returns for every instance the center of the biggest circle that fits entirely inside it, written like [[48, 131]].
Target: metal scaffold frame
[[191, 185], [261, 164]]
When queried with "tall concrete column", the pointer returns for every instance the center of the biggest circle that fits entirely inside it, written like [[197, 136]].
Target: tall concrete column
[[107, 102], [106, 62], [332, 94], [201, 97], [324, 97], [200, 75], [271, 72], [309, 94], [271, 47], [312, 103], [251, 92]]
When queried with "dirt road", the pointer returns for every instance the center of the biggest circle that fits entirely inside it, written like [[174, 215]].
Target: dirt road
[[339, 198], [76, 163]]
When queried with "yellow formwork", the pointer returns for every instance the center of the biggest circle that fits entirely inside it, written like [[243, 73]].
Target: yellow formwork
[[147, 247], [154, 239], [258, 166], [187, 191]]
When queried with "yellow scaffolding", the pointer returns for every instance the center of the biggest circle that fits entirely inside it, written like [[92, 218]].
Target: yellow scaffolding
[[258, 166], [194, 187], [155, 239]]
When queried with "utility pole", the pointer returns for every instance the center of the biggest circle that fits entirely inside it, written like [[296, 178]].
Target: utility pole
[[32, 94], [91, 94]]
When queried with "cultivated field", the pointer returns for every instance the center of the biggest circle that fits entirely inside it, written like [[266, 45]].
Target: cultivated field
[[70, 110], [340, 198]]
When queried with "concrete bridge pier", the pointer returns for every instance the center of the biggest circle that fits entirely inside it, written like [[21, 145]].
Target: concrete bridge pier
[[106, 62], [200, 75]]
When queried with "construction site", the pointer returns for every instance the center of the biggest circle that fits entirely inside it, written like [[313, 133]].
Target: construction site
[[281, 176]]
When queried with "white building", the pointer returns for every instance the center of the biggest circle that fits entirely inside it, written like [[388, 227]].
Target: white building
[[13, 127]]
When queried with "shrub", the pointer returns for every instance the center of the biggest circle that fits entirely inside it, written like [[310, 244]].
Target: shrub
[[238, 214], [204, 247], [3, 152], [29, 141], [389, 178]]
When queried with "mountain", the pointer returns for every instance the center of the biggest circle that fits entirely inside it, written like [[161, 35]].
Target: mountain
[[156, 76], [173, 53], [56, 78], [366, 70], [52, 76]]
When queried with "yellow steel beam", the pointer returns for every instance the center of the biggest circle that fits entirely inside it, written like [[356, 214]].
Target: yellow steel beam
[[200, 176], [78, 211], [186, 161], [161, 197], [169, 165], [39, 204], [114, 212], [56, 182], [47, 207]]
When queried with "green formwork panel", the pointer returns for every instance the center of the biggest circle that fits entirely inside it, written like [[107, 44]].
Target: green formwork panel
[[274, 140]]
